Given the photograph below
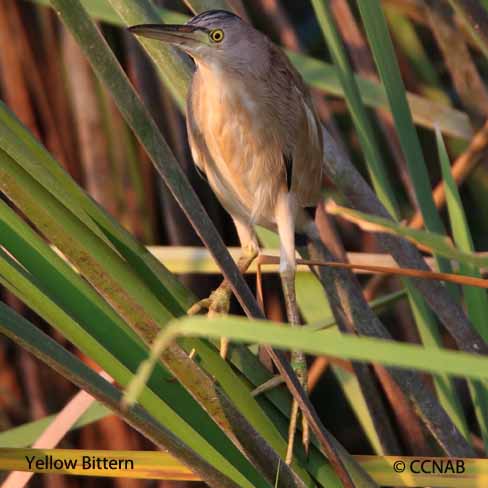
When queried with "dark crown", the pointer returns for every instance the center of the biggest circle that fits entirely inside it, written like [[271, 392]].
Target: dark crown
[[212, 16]]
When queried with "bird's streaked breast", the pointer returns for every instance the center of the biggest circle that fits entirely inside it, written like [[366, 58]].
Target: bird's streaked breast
[[246, 170]]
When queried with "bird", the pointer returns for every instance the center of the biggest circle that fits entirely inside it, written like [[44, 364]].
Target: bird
[[256, 137]]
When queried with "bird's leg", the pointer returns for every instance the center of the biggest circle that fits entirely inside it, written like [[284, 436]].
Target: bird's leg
[[218, 302], [286, 210]]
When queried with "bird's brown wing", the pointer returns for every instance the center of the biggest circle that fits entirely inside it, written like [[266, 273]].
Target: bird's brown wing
[[308, 157], [302, 136]]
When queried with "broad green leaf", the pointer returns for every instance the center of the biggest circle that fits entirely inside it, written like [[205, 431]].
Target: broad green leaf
[[21, 145], [358, 348]]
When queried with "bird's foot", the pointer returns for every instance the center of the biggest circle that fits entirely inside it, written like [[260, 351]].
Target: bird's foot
[[299, 365], [218, 303], [273, 382]]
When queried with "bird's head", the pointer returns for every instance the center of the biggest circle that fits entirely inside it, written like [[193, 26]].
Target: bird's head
[[212, 37]]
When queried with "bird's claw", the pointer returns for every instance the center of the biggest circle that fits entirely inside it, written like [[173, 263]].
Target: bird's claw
[[218, 303], [273, 382], [199, 306], [299, 365]]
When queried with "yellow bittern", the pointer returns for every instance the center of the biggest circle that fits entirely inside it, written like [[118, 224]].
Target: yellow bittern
[[255, 136]]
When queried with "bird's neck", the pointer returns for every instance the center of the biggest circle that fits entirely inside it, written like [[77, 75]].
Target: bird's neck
[[227, 82], [215, 72], [216, 81]]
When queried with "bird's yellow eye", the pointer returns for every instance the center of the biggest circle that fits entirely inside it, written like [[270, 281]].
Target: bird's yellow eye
[[217, 35]]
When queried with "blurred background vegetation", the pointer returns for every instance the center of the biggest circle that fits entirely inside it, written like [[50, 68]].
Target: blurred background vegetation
[[48, 83]]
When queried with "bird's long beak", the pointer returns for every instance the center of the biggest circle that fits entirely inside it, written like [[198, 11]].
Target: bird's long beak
[[181, 35]]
